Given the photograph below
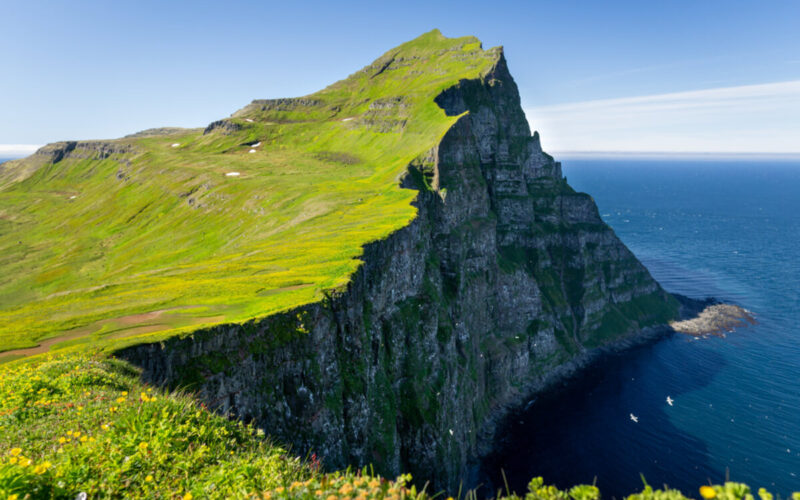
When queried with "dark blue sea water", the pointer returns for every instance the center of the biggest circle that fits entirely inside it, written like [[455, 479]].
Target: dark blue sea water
[[730, 229]]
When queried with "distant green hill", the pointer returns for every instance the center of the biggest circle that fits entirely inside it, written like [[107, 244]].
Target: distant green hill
[[161, 232]]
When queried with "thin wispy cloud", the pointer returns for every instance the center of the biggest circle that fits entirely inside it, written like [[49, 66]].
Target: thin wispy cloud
[[748, 118], [14, 150], [681, 65]]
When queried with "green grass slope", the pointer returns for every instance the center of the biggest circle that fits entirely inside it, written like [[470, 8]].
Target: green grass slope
[[146, 236]]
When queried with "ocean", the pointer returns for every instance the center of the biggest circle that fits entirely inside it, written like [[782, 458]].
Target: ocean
[[728, 229]]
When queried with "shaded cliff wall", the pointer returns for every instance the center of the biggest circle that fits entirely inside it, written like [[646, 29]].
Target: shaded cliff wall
[[506, 277]]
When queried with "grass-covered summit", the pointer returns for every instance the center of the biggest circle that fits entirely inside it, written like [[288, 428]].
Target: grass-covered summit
[[162, 232]]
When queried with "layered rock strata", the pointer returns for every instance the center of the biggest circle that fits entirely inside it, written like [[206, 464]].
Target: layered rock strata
[[506, 279]]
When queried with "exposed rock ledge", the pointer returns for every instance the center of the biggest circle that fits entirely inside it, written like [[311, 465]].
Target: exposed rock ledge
[[715, 319]]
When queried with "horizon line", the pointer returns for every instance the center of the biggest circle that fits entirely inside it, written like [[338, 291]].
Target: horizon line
[[674, 153], [19, 151]]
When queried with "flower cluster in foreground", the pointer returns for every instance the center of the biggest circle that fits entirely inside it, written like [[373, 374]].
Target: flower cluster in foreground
[[77, 423]]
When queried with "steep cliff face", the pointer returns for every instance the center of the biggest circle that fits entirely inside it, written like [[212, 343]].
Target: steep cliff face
[[505, 279]]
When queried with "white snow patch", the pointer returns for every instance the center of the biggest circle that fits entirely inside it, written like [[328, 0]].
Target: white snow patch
[[232, 174], [248, 120], [347, 119], [255, 145], [72, 197], [176, 145], [252, 151]]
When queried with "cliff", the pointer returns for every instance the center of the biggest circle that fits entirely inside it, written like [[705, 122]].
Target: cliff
[[504, 279]]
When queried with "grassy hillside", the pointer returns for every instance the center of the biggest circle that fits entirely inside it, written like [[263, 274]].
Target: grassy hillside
[[155, 235]]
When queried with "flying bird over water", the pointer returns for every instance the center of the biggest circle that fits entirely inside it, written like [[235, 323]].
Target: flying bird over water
[[669, 400], [634, 418]]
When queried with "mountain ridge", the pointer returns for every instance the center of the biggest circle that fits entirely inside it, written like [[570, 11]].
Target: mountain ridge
[[381, 129]]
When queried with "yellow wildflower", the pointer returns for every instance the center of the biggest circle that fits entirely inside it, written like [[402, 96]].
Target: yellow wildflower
[[62, 440], [707, 492], [13, 496], [76, 433], [42, 468], [332, 497], [143, 446], [120, 400], [188, 496], [148, 478], [124, 393], [84, 439], [24, 462], [15, 452], [12, 460]]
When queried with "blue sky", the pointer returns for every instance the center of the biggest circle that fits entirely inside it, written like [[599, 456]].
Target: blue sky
[[601, 76]]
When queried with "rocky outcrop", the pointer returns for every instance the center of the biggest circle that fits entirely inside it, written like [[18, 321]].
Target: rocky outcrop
[[225, 126], [96, 150], [17, 171], [506, 279], [715, 319]]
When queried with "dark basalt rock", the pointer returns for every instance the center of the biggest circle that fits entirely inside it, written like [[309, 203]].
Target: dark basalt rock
[[224, 126], [100, 150]]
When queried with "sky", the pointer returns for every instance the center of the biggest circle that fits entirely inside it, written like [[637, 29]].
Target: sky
[[678, 76]]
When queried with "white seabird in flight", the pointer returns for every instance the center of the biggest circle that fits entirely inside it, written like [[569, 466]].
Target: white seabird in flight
[[669, 400], [634, 418]]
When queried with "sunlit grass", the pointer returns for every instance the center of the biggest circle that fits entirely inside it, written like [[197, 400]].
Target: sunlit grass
[[86, 242]]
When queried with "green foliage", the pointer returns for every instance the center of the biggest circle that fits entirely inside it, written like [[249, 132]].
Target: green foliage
[[513, 257], [79, 423], [152, 241], [657, 308]]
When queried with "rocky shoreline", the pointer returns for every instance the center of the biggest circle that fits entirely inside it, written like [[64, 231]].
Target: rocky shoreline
[[698, 317], [715, 319]]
